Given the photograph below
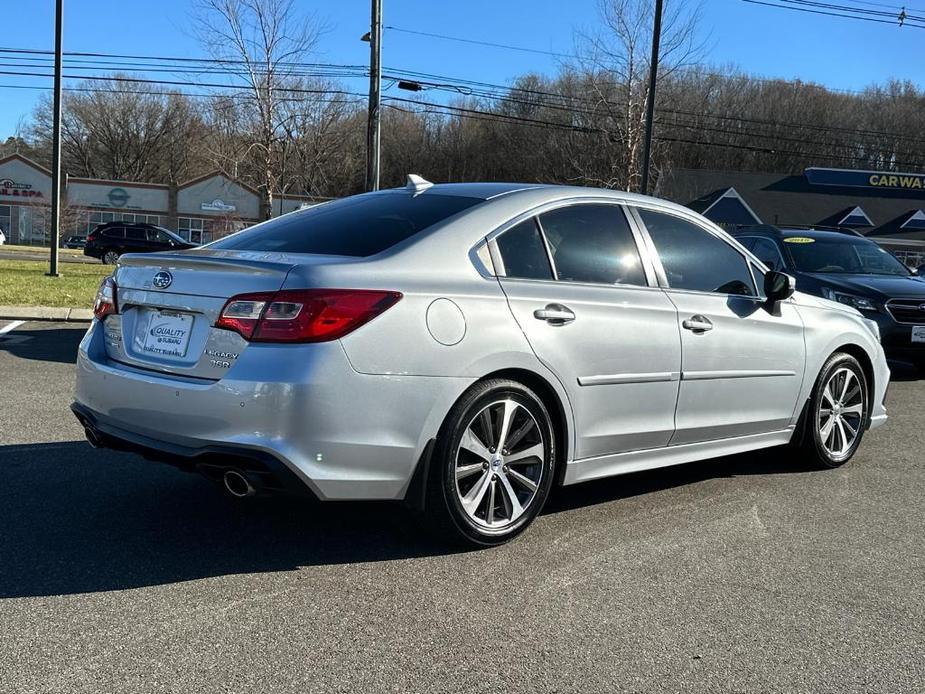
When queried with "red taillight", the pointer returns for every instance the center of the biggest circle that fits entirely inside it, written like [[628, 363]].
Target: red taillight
[[106, 300], [303, 315], [91, 236]]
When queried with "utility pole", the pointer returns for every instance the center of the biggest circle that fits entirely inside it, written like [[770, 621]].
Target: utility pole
[[56, 145], [650, 102], [375, 81]]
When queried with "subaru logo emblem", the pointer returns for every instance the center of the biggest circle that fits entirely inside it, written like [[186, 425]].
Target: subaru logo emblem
[[162, 279], [921, 307]]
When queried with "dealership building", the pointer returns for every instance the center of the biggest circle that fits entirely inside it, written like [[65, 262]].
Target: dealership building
[[887, 207], [199, 209]]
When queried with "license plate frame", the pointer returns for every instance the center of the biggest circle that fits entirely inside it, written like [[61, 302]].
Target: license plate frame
[[167, 334], [918, 334]]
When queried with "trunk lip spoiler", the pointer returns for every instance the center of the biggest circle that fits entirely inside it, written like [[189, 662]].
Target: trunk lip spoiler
[[193, 262]]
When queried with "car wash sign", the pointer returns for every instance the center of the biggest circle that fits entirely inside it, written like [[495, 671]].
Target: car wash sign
[[12, 189], [872, 180]]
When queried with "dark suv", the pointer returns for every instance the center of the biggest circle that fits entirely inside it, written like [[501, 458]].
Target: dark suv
[[108, 241], [848, 268]]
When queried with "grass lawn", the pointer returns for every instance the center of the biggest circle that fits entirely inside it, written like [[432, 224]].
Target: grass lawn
[[23, 283], [43, 250]]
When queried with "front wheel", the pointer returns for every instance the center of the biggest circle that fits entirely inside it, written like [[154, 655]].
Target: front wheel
[[493, 464], [837, 412]]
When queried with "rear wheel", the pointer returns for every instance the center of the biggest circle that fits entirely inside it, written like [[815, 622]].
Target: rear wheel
[[493, 464], [837, 412], [110, 258]]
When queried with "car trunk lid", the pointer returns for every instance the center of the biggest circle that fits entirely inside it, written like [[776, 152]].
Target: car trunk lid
[[168, 304]]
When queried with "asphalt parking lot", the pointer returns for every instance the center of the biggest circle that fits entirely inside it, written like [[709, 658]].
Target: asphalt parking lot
[[743, 574]]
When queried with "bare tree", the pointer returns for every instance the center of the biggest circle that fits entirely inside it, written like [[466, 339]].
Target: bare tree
[[615, 61], [121, 130], [261, 43]]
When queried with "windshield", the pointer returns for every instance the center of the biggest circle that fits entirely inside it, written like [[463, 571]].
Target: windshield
[[843, 257]]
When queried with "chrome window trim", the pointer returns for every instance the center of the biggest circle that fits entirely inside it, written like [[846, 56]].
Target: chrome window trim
[[481, 257], [545, 240], [535, 212], [589, 285], [708, 228]]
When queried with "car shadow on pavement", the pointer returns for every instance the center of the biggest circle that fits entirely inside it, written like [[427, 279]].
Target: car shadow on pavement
[[74, 519], [57, 345], [768, 461]]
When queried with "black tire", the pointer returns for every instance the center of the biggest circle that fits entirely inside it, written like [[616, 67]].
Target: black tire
[[110, 257], [834, 450], [444, 505]]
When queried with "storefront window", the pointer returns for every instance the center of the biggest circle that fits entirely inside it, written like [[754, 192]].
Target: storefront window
[[5, 222], [31, 226], [195, 230]]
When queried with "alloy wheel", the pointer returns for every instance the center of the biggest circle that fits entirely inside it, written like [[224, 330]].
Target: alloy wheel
[[841, 413], [499, 464]]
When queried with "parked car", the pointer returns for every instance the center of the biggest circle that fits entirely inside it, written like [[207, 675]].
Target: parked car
[[854, 271], [74, 242], [109, 241], [465, 348]]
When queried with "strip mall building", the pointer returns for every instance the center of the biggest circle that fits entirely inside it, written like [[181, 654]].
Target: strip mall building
[[887, 207], [200, 209]]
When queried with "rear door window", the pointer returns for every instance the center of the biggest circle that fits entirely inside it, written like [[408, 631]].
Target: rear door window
[[135, 234], [593, 243], [356, 226], [695, 259], [157, 236], [115, 232], [523, 252]]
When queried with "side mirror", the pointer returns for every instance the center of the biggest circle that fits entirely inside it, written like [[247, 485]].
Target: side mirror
[[919, 271], [779, 286]]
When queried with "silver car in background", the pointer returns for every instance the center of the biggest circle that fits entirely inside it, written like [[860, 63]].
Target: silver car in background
[[465, 348]]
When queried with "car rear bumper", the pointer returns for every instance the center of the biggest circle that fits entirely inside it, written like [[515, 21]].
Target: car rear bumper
[[342, 434]]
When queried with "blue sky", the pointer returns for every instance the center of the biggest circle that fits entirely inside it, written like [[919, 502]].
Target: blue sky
[[843, 54]]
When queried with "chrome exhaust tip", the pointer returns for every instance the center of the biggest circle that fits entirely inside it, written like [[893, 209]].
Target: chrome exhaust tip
[[92, 437], [238, 485]]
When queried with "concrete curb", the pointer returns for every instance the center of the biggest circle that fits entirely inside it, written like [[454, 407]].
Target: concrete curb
[[46, 313]]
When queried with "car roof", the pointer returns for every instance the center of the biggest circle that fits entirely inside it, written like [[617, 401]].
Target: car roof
[[537, 192]]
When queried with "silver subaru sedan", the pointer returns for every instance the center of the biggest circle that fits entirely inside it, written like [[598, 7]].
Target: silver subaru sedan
[[467, 347]]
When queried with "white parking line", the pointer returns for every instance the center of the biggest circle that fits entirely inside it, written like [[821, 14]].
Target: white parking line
[[12, 326]]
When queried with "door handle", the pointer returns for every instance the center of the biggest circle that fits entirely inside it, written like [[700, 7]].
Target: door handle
[[698, 324], [555, 314]]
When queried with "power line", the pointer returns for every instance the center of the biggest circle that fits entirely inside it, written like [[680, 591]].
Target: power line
[[506, 98], [832, 14], [220, 61], [899, 17], [477, 42], [534, 122], [881, 4]]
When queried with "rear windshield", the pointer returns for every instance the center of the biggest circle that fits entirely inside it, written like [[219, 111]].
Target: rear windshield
[[357, 226]]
